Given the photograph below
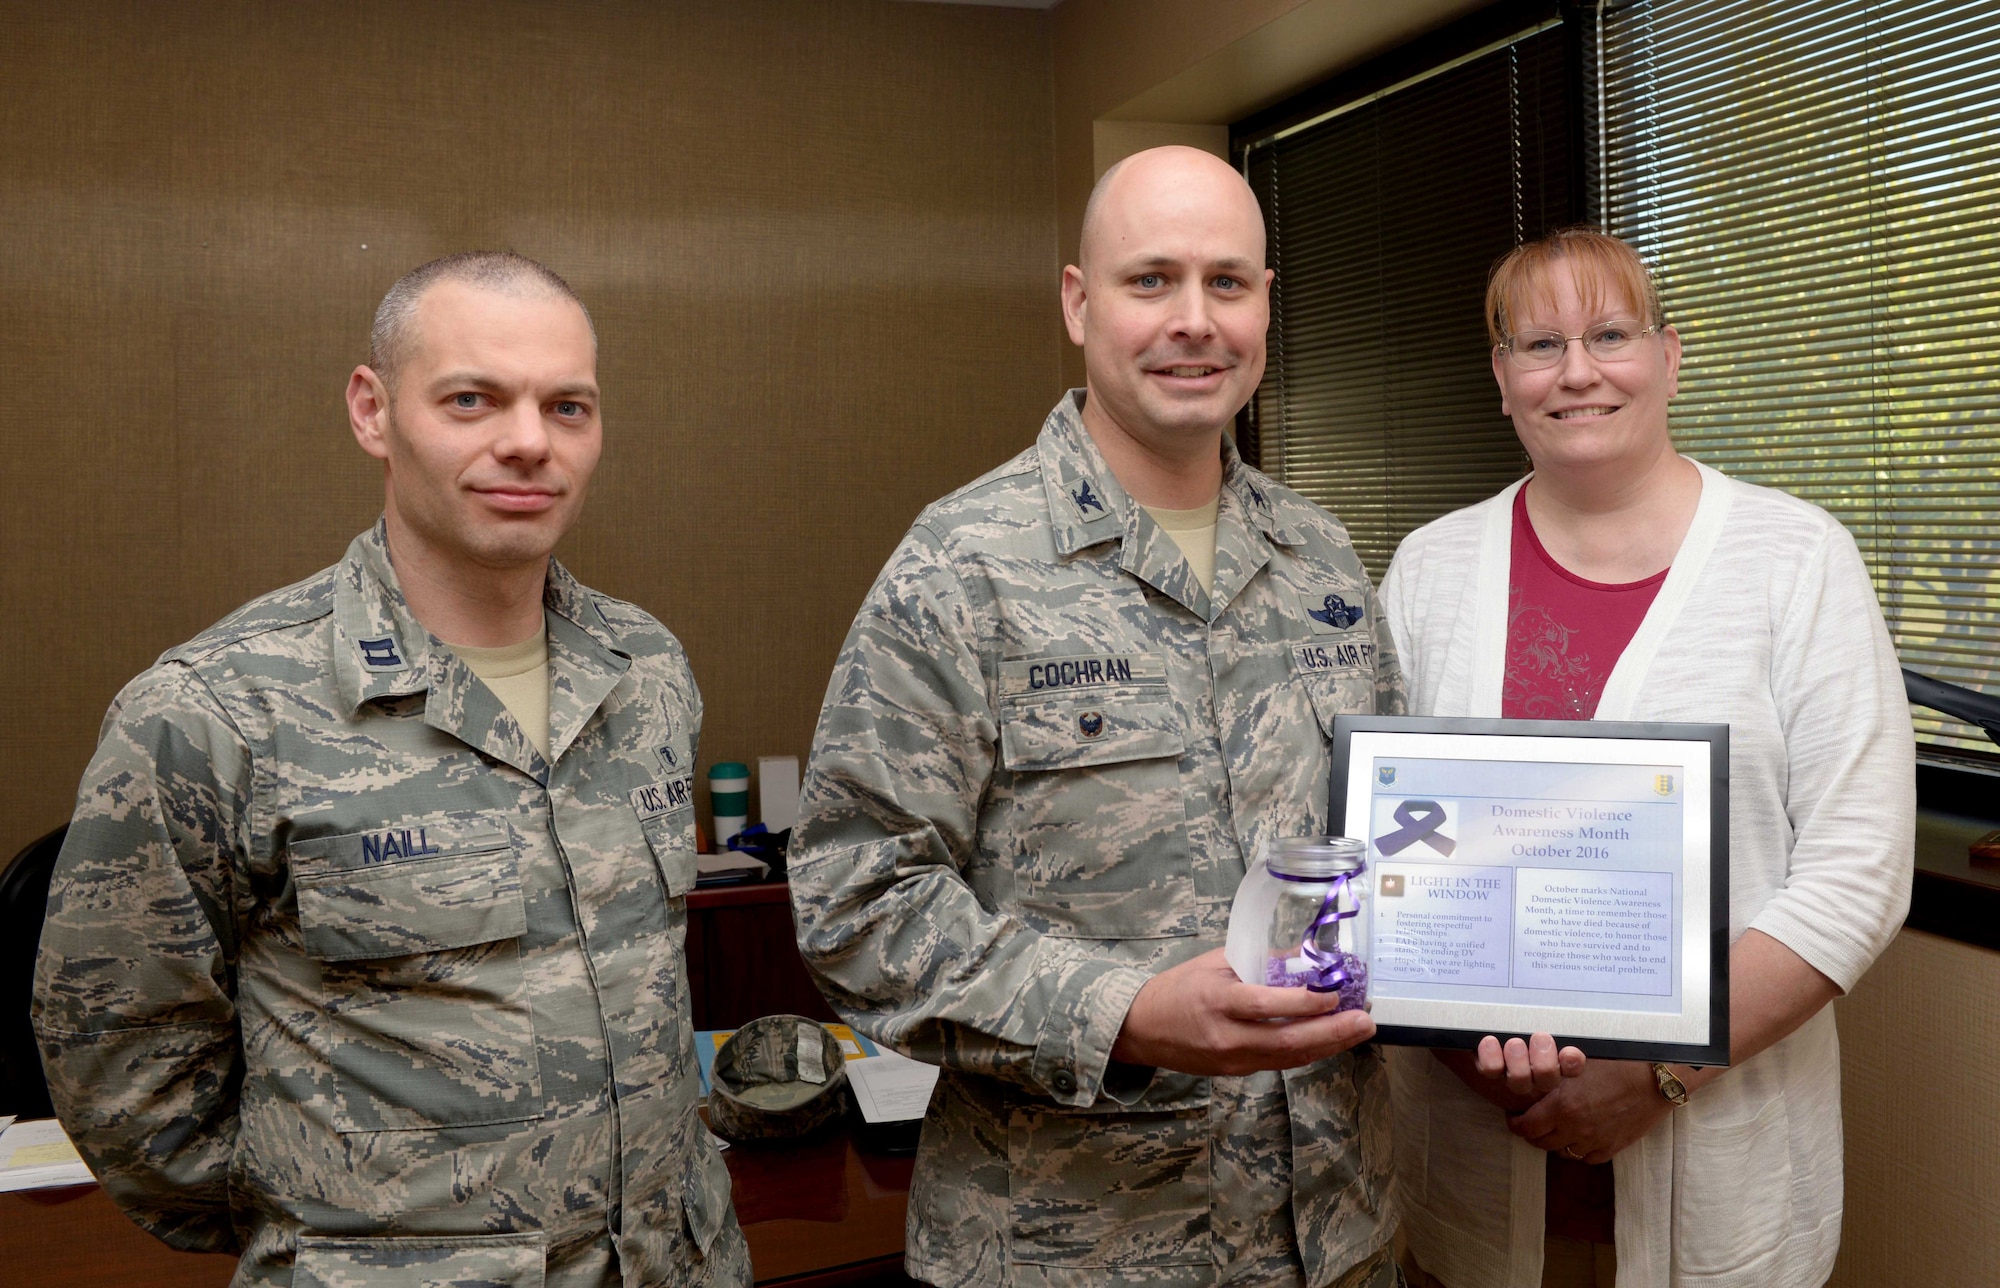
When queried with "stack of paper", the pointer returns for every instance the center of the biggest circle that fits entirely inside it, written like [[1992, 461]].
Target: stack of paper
[[890, 1088], [35, 1155]]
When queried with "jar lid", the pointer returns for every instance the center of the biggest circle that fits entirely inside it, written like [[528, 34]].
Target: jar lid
[[1315, 856]]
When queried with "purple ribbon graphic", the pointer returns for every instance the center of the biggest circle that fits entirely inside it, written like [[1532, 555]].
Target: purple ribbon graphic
[[1328, 970], [1420, 820]]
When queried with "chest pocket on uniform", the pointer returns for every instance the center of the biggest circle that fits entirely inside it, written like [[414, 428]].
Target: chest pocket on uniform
[[416, 930], [1338, 676], [1098, 821], [666, 815]]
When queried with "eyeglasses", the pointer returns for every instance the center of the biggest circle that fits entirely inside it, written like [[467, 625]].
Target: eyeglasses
[[1606, 342]]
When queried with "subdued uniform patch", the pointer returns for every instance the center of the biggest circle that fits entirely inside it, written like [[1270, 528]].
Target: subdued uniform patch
[[1045, 754], [340, 972]]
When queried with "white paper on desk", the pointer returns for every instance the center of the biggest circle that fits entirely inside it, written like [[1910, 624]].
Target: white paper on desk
[[36, 1155], [891, 1088]]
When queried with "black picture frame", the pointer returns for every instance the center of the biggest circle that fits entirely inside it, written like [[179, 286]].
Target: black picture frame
[[1713, 1052]]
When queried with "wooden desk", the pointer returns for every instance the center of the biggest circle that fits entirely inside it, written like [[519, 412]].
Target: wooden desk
[[74, 1238], [819, 1214]]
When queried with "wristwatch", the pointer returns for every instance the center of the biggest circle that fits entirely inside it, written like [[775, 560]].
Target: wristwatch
[[1671, 1087]]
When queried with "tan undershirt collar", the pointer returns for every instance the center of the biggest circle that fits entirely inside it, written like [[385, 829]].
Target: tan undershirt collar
[[1194, 532], [518, 674]]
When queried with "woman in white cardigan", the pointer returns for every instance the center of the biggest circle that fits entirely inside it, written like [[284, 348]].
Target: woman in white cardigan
[[1622, 581]]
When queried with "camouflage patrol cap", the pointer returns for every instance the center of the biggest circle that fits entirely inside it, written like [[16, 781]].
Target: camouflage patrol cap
[[778, 1077]]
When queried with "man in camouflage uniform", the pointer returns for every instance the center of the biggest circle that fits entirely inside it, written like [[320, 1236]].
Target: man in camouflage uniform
[[356, 967], [1048, 749]]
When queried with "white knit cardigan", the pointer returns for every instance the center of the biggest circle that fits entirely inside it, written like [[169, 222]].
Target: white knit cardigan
[[1766, 621]]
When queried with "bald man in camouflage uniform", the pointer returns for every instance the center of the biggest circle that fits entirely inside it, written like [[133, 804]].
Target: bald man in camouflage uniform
[[349, 964], [1049, 748]]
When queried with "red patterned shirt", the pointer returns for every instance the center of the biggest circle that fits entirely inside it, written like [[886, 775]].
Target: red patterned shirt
[[1564, 634]]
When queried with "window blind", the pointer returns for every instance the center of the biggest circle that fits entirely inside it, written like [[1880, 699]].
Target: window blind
[[1817, 185], [1384, 216]]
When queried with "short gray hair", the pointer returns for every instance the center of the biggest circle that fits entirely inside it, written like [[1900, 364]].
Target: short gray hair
[[393, 334]]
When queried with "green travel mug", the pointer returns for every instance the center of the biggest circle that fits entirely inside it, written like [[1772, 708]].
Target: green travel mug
[[729, 799]]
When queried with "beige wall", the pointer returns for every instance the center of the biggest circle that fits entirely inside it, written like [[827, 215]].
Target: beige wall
[[816, 234], [1920, 1095], [818, 237], [1112, 141]]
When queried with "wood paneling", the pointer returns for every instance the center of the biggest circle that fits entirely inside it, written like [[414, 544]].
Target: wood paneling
[[817, 237]]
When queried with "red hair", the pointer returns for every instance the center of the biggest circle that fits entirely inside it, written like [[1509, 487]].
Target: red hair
[[1602, 267]]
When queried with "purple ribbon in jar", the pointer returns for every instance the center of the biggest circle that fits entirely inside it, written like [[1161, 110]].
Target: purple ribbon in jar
[[1328, 970]]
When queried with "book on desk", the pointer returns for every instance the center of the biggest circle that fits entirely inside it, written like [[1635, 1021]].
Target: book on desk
[[35, 1154]]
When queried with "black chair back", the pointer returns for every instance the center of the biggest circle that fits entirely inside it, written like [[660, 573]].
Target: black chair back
[[1955, 700], [24, 901]]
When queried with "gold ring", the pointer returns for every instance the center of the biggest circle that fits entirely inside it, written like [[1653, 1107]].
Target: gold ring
[[1569, 1151]]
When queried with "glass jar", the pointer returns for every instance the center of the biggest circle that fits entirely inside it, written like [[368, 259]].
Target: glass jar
[[1299, 918]]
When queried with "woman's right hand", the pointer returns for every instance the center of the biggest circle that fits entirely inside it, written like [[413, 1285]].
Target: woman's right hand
[[1533, 1068], [1515, 1074]]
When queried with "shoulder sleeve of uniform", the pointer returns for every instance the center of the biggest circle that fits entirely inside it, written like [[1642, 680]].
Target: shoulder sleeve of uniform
[[1300, 514], [901, 944], [909, 681], [134, 989], [166, 792], [1391, 692], [1296, 514], [293, 605], [658, 650], [626, 618]]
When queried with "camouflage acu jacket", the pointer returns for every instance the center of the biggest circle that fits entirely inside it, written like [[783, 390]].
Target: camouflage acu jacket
[[338, 971], [1044, 757]]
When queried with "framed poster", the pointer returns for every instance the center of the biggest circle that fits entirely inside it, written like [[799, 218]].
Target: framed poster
[[1556, 876]]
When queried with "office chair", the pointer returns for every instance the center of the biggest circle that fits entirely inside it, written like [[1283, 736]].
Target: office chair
[[1955, 700], [24, 900]]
